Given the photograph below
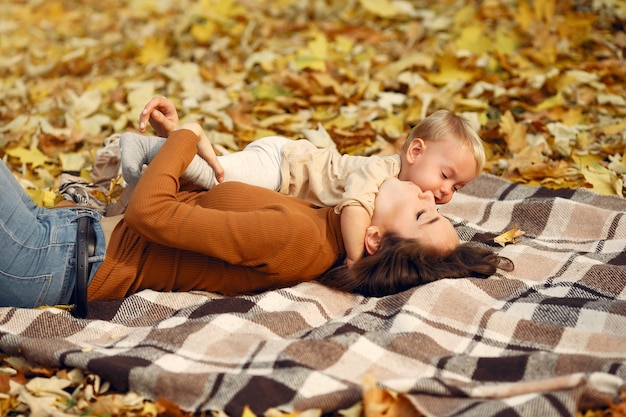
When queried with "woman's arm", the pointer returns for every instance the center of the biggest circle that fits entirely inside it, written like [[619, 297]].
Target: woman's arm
[[354, 221], [240, 224]]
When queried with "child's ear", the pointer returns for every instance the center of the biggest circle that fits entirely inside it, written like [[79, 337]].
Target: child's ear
[[416, 147], [372, 240]]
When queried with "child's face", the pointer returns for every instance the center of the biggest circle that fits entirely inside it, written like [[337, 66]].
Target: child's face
[[442, 167]]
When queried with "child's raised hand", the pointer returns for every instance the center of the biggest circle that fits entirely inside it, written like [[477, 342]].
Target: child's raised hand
[[162, 115]]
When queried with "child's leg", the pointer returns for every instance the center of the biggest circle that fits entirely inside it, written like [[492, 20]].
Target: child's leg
[[137, 151]]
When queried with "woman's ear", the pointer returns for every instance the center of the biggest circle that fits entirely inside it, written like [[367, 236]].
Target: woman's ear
[[372, 240], [416, 147]]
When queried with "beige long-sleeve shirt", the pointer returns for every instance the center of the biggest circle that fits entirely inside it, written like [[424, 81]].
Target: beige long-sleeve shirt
[[329, 179]]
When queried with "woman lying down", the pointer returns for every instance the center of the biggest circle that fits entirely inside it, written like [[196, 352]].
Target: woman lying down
[[232, 239]]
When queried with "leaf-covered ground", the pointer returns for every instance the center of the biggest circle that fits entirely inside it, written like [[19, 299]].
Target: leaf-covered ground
[[544, 82]]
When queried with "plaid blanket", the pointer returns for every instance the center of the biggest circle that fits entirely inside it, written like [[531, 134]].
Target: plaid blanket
[[545, 339]]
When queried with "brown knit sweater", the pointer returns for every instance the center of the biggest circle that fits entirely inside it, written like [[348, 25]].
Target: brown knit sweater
[[233, 239]]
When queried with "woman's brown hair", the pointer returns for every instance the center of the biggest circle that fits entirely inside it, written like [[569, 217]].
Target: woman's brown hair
[[402, 263]]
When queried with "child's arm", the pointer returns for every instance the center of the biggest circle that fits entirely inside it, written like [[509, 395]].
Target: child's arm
[[354, 221], [161, 113], [205, 149]]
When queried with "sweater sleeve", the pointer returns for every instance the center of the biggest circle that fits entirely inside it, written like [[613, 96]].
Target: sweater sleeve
[[154, 212]]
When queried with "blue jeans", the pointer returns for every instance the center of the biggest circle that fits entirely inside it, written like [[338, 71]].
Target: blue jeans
[[38, 248]]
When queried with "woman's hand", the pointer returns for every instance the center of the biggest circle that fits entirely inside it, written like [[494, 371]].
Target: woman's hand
[[161, 113]]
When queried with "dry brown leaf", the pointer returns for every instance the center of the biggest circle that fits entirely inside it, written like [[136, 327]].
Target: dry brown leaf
[[379, 402], [514, 133]]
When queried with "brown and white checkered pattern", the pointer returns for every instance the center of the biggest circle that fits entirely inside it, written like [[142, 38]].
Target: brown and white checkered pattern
[[545, 339]]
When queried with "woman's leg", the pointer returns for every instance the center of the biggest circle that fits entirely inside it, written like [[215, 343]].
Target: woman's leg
[[258, 164], [37, 247]]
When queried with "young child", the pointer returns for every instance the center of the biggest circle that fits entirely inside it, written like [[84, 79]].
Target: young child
[[441, 155]]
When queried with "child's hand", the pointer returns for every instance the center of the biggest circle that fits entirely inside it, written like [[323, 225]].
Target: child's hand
[[205, 149], [161, 113]]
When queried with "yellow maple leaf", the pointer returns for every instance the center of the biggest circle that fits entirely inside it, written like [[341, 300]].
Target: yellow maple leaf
[[524, 15], [614, 129], [510, 236], [464, 16], [473, 39], [154, 51], [220, 10], [315, 55], [203, 32], [545, 10], [450, 70], [514, 133], [380, 402], [382, 8], [596, 175], [43, 198], [507, 41], [29, 156], [247, 412], [551, 102], [73, 161], [573, 116]]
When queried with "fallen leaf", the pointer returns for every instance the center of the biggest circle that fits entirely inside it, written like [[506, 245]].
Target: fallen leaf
[[53, 386], [510, 236], [514, 133], [31, 156], [382, 8], [154, 50]]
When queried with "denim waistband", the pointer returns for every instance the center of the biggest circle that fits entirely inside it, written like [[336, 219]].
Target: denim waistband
[[40, 255]]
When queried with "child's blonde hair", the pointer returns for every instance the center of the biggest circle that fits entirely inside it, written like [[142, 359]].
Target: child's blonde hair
[[444, 124]]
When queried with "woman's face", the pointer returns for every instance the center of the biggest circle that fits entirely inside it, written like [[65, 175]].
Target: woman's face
[[402, 207]]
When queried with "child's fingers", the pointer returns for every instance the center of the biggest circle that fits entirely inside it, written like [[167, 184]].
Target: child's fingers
[[212, 160], [219, 171], [208, 153], [205, 149]]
